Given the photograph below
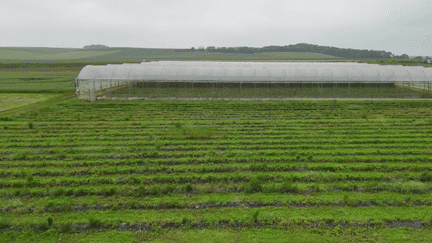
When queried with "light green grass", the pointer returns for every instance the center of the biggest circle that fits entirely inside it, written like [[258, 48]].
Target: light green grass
[[48, 53], [229, 235], [36, 82], [10, 101]]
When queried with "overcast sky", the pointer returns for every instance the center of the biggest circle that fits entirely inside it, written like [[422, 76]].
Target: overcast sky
[[398, 26]]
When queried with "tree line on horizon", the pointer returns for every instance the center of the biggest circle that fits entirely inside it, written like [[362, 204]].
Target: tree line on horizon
[[303, 47]]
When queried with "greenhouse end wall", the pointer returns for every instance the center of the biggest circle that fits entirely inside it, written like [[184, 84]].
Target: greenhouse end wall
[[90, 89]]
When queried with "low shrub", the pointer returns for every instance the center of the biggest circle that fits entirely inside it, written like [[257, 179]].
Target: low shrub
[[30, 125]]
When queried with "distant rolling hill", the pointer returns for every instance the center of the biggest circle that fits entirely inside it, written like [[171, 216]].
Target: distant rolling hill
[[122, 54]]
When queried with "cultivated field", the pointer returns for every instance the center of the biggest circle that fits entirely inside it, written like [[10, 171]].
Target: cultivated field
[[10, 54], [156, 90], [236, 169], [206, 171]]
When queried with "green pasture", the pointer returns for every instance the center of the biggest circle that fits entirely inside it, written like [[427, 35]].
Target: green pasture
[[27, 54], [37, 57], [36, 82], [10, 101]]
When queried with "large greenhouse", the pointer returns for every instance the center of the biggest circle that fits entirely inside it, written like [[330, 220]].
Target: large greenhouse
[[277, 80]]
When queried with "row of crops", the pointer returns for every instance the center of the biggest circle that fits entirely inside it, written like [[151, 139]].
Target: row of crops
[[237, 90], [79, 166]]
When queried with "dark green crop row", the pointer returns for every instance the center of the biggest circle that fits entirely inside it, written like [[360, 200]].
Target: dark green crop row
[[226, 110], [253, 186], [206, 176]]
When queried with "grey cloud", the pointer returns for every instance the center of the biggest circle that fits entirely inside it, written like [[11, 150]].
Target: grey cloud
[[399, 26]]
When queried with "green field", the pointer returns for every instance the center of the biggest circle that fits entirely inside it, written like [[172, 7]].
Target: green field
[[34, 81], [205, 171], [217, 168], [12, 101], [25, 57], [11, 54]]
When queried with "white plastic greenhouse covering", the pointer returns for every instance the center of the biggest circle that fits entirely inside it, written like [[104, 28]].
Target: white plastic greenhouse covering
[[256, 71], [100, 77]]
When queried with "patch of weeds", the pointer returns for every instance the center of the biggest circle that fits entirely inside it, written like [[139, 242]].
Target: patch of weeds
[[178, 125], [43, 226], [29, 178], [128, 117], [255, 216], [58, 192], [134, 180], [212, 152], [109, 192], [94, 223], [140, 190], [20, 156], [288, 186], [154, 190], [191, 132], [158, 144], [6, 118], [346, 198], [188, 188], [426, 176], [50, 221], [168, 189], [69, 192], [4, 223], [30, 125], [80, 192], [254, 185], [65, 227], [14, 202]]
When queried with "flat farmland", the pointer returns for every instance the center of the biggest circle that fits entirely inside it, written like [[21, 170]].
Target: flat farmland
[[245, 171]]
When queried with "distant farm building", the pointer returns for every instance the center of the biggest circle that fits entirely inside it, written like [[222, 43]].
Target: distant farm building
[[198, 79]]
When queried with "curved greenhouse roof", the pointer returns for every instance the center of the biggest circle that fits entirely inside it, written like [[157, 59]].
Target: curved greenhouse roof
[[256, 71]]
